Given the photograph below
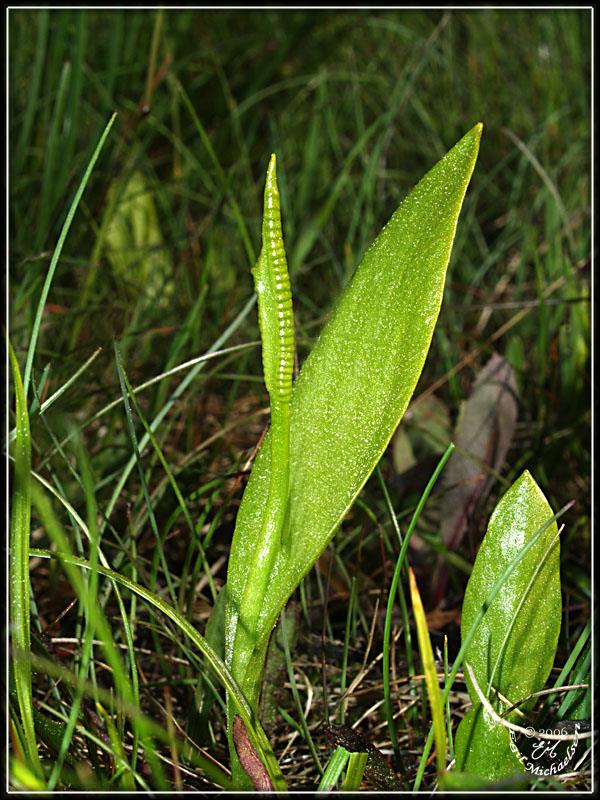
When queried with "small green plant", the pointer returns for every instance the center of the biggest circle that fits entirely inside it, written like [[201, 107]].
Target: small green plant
[[328, 433], [511, 641]]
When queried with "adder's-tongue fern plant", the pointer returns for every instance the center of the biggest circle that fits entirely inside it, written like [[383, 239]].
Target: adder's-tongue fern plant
[[329, 431], [277, 332]]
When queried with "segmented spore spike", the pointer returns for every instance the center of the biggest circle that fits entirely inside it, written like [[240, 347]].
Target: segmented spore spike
[[279, 317]]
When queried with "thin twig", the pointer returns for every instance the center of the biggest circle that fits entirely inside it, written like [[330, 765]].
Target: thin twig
[[529, 732], [558, 689]]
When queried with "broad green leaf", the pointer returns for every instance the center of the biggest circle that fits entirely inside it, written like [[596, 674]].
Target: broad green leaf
[[515, 643], [482, 747], [528, 607], [469, 782], [350, 395]]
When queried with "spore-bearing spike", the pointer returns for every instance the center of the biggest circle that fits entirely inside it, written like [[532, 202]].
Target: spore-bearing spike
[[280, 364]]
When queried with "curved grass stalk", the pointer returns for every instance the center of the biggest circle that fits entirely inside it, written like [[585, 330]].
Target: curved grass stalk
[[126, 687], [171, 401], [210, 355], [197, 756], [57, 253], [19, 583], [255, 731]]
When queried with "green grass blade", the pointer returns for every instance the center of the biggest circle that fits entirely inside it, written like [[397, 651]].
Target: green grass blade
[[51, 157], [153, 57], [34, 87], [133, 711], [41, 409], [89, 598], [333, 770], [68, 383], [128, 393], [447, 710], [57, 253], [176, 394], [290, 670], [307, 238], [19, 583], [354, 774], [123, 773], [408, 647], [71, 120], [577, 705], [431, 681], [225, 187], [94, 619], [126, 686], [23, 778], [138, 459], [392, 594], [209, 356], [349, 618], [569, 665]]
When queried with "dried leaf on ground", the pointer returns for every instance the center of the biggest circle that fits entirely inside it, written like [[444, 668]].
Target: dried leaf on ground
[[484, 432]]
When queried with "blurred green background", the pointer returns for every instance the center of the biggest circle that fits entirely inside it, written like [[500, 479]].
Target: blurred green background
[[357, 105]]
